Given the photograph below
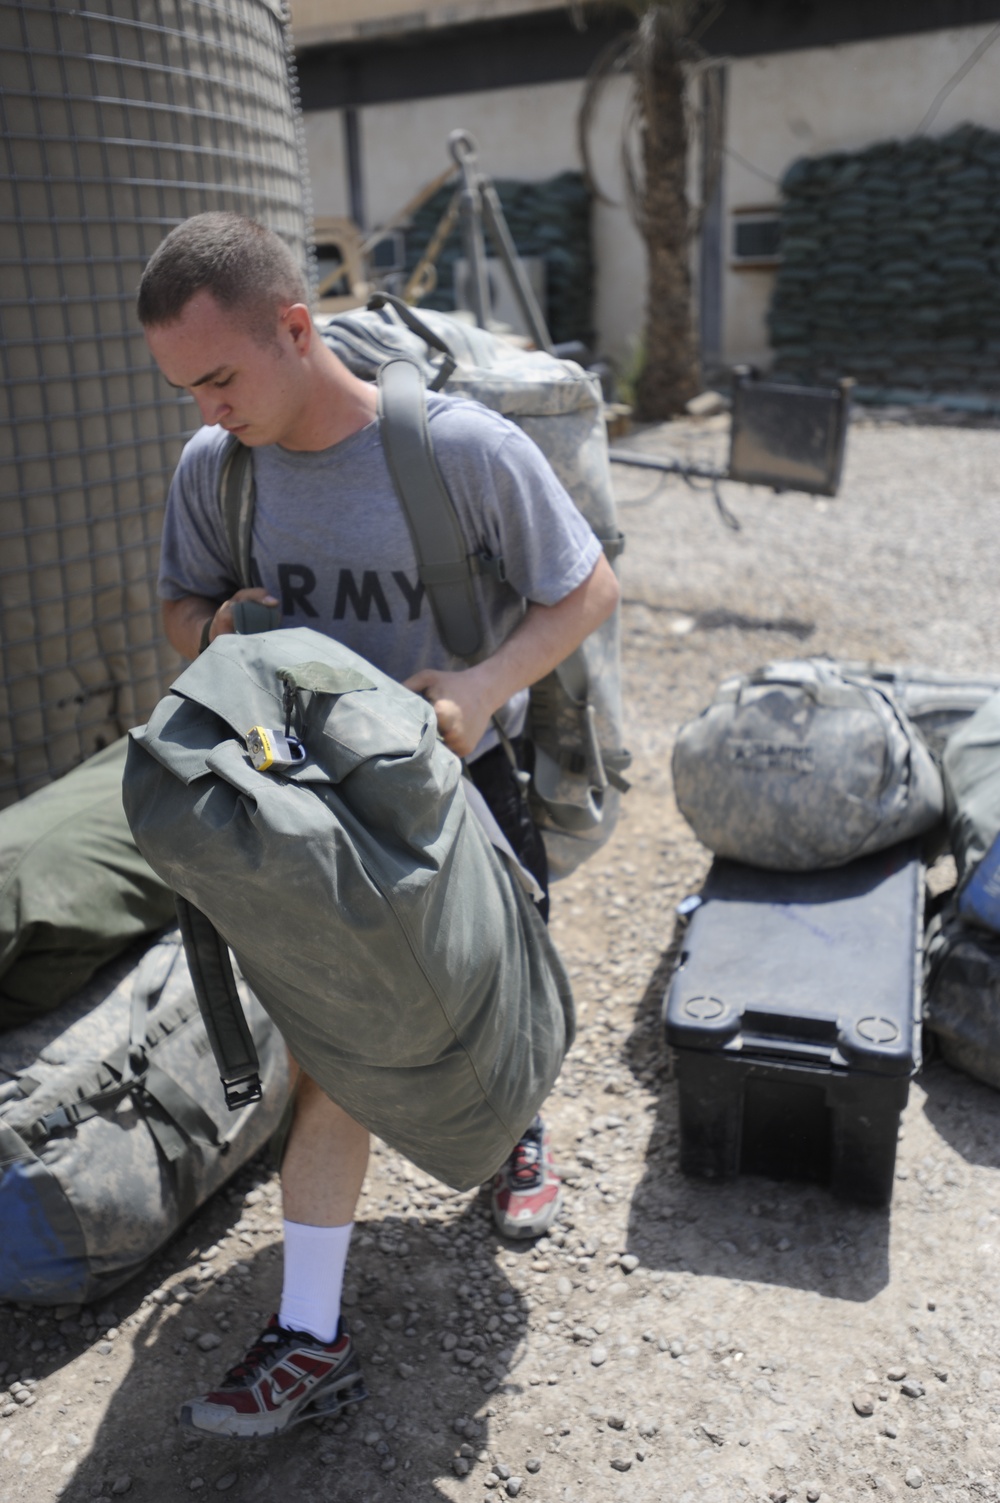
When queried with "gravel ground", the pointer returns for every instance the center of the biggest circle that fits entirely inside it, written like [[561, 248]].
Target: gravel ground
[[670, 1339]]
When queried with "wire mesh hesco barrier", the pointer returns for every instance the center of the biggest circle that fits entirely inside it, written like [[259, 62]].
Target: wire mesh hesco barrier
[[119, 121]]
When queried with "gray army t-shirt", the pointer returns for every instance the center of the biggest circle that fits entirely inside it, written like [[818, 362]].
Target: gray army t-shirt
[[331, 543]]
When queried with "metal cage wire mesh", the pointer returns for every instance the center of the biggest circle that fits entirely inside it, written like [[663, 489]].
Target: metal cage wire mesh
[[118, 123]]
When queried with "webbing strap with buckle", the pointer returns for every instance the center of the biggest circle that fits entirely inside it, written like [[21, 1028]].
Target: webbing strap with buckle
[[221, 1009], [174, 1118]]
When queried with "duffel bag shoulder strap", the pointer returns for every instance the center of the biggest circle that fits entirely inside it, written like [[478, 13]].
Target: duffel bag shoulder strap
[[237, 498], [445, 566], [417, 326], [207, 954], [586, 759], [221, 1008]]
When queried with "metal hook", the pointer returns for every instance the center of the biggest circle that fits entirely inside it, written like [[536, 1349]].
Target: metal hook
[[463, 148]]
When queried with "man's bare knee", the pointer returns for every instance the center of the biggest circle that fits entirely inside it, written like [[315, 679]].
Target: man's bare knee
[[312, 1101]]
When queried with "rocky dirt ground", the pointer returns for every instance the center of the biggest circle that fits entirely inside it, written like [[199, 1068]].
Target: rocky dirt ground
[[670, 1339]]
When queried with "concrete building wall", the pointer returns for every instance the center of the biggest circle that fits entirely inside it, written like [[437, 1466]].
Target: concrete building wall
[[324, 132], [779, 107], [841, 98], [527, 133], [317, 21]]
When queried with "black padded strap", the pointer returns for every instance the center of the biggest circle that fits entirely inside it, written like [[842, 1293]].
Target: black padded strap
[[221, 1009], [444, 565], [417, 326]]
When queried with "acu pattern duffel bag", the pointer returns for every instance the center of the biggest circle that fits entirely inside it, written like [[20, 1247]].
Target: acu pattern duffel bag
[[798, 766], [112, 1127]]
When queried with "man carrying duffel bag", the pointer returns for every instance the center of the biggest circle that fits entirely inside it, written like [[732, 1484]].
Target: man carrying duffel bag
[[224, 308]]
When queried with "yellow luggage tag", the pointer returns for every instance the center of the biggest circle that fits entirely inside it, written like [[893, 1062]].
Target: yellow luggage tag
[[274, 751]]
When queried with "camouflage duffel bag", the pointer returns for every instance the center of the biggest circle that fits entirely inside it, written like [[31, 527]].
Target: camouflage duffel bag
[[113, 1130], [798, 766]]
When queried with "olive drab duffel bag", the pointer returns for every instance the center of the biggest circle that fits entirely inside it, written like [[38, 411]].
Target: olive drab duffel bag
[[302, 802], [74, 891], [113, 1130], [574, 721], [798, 766], [962, 994]]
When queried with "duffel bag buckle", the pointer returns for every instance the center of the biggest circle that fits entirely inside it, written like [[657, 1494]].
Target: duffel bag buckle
[[242, 1092]]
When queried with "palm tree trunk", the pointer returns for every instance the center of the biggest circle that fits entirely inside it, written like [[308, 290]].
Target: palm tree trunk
[[671, 374]]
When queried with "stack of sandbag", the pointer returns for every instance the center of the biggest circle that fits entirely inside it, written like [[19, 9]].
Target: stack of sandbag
[[889, 263], [963, 950], [381, 920], [112, 1126], [550, 219], [803, 765]]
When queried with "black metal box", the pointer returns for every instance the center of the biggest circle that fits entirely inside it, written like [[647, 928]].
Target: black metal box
[[794, 1018], [789, 437]]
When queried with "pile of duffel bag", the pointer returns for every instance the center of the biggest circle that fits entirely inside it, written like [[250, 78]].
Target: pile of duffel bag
[[112, 1126], [385, 929], [807, 764]]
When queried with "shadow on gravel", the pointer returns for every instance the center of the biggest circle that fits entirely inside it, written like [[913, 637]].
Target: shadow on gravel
[[720, 619], [39, 1341], [775, 1232], [408, 1282], [965, 1112]]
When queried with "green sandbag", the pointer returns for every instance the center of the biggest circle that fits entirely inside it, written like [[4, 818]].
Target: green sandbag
[[74, 891]]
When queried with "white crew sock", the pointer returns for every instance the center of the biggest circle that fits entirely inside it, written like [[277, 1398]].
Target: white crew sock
[[315, 1259]]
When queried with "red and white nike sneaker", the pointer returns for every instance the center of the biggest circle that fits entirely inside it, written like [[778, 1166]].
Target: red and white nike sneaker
[[286, 1377], [527, 1192]]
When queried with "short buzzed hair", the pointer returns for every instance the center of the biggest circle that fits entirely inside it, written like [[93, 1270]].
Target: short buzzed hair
[[243, 264]]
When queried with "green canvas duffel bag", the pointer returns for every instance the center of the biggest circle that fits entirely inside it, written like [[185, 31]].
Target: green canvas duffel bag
[[962, 994], [74, 891], [396, 949]]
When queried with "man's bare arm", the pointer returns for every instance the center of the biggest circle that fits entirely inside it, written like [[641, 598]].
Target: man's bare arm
[[184, 619], [465, 701]]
